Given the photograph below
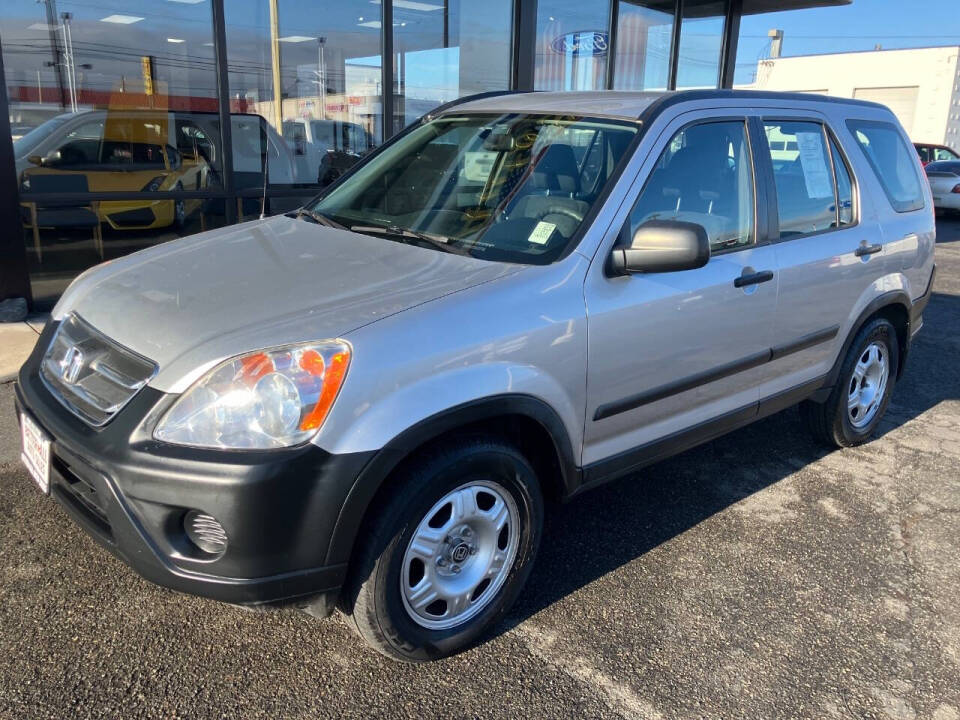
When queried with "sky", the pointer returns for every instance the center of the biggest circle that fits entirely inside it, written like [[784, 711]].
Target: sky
[[858, 26]]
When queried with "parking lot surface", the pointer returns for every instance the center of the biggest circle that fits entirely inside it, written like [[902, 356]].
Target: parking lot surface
[[756, 576]]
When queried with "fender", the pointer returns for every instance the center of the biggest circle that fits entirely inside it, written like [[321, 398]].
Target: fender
[[894, 297], [374, 474]]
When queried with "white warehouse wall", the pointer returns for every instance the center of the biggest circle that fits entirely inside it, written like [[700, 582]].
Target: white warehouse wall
[[922, 85]]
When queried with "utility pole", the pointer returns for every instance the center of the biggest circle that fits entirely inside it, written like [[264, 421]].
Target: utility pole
[[68, 59], [275, 66], [57, 65], [322, 67]]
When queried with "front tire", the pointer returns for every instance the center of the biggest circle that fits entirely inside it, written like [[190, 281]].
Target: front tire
[[448, 552], [179, 211], [860, 398]]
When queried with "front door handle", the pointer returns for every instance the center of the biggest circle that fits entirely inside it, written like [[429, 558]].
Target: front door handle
[[753, 278], [865, 249]]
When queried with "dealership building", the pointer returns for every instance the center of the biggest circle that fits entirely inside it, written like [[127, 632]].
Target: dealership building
[[126, 123], [920, 85]]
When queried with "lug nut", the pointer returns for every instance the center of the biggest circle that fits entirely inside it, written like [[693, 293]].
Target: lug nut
[[473, 549], [455, 568], [441, 562], [466, 532]]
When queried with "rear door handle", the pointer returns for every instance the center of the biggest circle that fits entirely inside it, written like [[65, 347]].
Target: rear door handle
[[867, 250], [754, 278]]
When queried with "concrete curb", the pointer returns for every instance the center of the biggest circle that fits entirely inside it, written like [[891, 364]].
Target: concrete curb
[[17, 341]]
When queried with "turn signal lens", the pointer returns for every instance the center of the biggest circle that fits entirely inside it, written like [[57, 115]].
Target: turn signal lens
[[267, 399]]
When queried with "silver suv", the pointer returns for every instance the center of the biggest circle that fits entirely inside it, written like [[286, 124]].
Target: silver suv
[[364, 404]]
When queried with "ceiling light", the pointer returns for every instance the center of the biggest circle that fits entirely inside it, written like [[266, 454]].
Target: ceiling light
[[296, 38], [370, 24], [411, 5], [176, 41], [121, 19]]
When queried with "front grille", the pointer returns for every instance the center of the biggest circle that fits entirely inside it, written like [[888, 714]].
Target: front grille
[[91, 375]]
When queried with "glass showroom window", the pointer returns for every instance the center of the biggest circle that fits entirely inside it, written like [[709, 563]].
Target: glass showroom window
[[108, 96], [446, 49], [701, 39], [305, 94], [642, 54], [571, 46]]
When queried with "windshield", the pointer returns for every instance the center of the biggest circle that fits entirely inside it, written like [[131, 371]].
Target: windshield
[[23, 146], [507, 187]]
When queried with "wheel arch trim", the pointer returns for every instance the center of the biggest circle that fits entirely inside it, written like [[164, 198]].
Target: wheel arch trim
[[377, 471], [893, 298]]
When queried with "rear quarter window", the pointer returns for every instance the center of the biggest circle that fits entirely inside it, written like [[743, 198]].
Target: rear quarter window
[[892, 162]]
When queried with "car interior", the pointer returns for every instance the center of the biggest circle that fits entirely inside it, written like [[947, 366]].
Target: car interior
[[498, 187], [704, 177]]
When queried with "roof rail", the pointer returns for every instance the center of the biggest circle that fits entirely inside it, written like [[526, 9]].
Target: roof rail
[[468, 98]]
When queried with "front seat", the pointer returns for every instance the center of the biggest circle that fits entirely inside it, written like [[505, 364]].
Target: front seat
[[551, 194]]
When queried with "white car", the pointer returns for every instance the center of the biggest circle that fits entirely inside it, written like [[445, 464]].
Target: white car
[[944, 177]]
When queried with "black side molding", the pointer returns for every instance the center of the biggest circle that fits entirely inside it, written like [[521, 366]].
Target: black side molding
[[807, 341], [689, 383], [632, 460]]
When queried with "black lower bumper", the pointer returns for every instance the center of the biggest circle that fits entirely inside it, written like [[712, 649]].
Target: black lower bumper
[[279, 509]]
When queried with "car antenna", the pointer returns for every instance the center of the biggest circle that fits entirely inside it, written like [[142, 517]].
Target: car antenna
[[266, 175]]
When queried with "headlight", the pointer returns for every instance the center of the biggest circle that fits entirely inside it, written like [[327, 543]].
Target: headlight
[[154, 184], [269, 399]]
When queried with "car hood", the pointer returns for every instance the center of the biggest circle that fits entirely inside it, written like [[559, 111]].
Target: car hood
[[190, 303]]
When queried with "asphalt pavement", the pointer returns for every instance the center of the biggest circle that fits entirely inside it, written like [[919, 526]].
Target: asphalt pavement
[[757, 576]]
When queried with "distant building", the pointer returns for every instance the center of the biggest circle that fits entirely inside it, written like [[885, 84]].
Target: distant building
[[920, 85]]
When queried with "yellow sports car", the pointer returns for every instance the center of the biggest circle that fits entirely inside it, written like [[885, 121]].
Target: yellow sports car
[[94, 165]]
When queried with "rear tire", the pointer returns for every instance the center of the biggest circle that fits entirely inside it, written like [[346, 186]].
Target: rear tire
[[859, 399], [452, 520]]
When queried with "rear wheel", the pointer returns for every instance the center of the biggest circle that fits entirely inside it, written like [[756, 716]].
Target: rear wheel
[[857, 402], [449, 551]]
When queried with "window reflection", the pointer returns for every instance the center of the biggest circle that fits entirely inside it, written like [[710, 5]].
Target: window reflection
[[701, 38], [572, 44], [314, 78], [447, 49], [644, 32], [108, 96]]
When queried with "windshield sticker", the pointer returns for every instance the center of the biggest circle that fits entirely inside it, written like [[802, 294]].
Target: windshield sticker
[[815, 172], [541, 233]]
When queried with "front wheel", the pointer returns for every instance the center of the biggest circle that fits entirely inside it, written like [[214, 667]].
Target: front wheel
[[449, 551], [179, 211], [857, 402]]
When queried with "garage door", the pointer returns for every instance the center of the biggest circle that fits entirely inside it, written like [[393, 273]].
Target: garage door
[[901, 100]]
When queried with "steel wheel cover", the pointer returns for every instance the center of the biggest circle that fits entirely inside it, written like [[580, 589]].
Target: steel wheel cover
[[460, 555]]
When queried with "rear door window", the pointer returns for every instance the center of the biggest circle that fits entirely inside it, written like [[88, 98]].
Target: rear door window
[[892, 162], [803, 173]]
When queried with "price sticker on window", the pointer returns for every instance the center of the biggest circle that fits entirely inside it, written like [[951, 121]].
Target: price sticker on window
[[541, 233]]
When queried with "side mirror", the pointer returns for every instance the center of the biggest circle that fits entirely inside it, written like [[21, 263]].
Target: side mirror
[[35, 160], [662, 246]]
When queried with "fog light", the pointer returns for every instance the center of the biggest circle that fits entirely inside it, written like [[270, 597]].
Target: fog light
[[205, 532]]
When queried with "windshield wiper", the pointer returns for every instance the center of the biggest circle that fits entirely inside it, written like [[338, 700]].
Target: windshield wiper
[[437, 242], [318, 218]]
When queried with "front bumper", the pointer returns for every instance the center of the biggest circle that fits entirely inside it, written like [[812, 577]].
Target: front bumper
[[131, 493]]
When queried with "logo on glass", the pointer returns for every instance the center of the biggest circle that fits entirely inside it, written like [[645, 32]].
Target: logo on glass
[[583, 42], [71, 364]]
